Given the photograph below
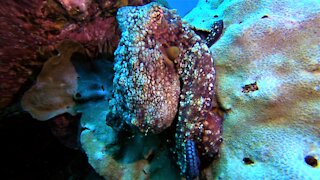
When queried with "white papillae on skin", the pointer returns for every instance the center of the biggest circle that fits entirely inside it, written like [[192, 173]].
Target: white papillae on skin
[[147, 89]]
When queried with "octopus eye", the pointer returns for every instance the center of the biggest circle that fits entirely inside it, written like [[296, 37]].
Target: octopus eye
[[173, 52]]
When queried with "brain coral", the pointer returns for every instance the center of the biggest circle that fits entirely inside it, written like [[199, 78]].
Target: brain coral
[[268, 82]]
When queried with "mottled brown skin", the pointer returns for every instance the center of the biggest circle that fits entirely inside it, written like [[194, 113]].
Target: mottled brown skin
[[198, 130], [197, 122], [149, 85], [196, 109]]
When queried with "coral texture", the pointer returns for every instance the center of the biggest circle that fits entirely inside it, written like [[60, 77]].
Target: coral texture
[[116, 155], [18, 43], [147, 81], [32, 28], [67, 79], [268, 81], [56, 85]]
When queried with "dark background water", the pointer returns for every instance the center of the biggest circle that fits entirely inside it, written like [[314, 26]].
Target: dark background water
[[30, 151]]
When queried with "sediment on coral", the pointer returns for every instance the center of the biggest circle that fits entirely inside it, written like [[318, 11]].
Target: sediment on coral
[[267, 64]]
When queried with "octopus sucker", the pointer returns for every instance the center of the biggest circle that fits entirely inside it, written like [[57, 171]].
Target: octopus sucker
[[192, 160], [177, 79]]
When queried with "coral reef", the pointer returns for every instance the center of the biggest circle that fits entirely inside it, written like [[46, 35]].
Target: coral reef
[[18, 43], [67, 79], [160, 98], [115, 154], [32, 28], [268, 81], [56, 85]]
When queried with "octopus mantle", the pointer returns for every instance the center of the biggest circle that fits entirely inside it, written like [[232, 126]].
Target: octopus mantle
[[163, 68]]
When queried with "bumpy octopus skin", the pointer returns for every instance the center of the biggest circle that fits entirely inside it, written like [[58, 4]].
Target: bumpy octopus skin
[[163, 68]]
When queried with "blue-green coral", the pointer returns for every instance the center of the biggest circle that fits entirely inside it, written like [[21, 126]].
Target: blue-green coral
[[268, 82]]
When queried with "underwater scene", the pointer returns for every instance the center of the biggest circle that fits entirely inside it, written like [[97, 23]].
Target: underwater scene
[[160, 89]]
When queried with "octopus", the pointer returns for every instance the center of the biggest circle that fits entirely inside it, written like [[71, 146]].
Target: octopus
[[164, 71]]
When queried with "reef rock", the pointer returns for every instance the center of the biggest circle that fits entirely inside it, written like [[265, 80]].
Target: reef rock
[[124, 155], [56, 85], [68, 79], [32, 28], [268, 82]]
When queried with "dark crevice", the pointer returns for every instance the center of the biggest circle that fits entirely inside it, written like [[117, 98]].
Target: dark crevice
[[248, 161], [311, 161], [250, 87]]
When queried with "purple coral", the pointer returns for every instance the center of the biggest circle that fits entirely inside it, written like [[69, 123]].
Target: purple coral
[[150, 85]]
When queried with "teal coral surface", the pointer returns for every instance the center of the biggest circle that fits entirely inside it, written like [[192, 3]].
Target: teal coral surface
[[268, 80]]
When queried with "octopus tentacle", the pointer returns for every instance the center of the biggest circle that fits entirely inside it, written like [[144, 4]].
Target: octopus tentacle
[[193, 161], [215, 33], [163, 67]]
